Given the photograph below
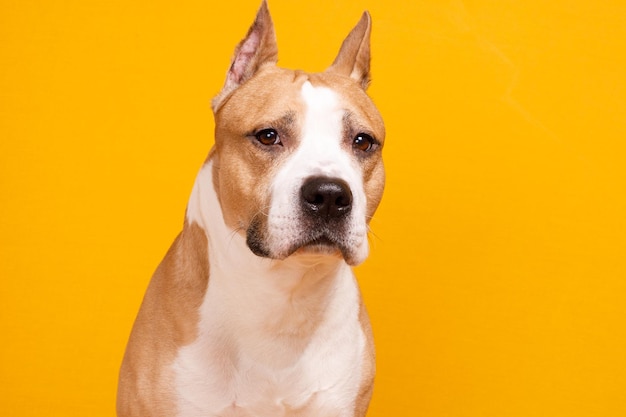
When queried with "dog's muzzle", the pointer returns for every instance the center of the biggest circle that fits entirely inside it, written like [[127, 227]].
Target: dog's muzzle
[[325, 204], [321, 223]]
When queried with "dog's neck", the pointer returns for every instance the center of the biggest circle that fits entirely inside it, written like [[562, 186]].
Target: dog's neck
[[284, 300]]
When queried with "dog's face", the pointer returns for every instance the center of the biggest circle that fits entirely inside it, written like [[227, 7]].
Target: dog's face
[[297, 160]]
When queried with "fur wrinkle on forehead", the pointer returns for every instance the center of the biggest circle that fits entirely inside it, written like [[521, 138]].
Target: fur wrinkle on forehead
[[286, 121], [352, 124]]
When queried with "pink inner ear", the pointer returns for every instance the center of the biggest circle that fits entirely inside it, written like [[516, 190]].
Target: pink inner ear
[[244, 56]]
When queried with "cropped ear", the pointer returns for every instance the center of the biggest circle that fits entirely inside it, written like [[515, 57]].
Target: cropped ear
[[255, 50], [353, 58]]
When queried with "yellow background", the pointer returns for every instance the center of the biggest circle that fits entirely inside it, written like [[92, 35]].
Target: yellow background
[[497, 281]]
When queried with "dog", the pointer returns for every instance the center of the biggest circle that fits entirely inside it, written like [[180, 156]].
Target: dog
[[255, 311]]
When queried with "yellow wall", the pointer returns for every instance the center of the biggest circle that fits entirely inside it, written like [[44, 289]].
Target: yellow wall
[[497, 284]]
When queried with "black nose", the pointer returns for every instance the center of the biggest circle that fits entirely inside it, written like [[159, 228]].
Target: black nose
[[326, 197]]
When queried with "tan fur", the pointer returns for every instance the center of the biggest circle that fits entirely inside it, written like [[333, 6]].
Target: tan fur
[[167, 320]]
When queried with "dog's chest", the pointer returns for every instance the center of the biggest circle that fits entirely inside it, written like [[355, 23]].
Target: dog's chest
[[236, 368], [252, 391]]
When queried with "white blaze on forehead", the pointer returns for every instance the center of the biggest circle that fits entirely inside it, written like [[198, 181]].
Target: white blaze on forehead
[[322, 132], [320, 152]]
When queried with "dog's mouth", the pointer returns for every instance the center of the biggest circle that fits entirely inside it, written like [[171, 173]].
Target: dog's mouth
[[321, 243], [321, 240]]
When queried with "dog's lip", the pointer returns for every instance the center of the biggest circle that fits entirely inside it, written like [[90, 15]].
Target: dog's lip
[[322, 244], [321, 241]]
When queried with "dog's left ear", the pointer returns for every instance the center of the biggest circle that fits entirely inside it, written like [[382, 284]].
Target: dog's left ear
[[353, 58], [255, 50]]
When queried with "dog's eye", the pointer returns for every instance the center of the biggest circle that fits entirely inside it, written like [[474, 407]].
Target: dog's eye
[[364, 142], [268, 137]]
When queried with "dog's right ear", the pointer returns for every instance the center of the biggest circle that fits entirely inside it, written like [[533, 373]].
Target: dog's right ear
[[258, 48]]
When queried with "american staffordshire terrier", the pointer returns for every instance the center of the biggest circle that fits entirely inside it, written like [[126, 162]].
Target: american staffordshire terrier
[[255, 311]]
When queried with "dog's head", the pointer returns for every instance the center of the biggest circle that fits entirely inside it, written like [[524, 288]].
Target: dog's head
[[297, 158]]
